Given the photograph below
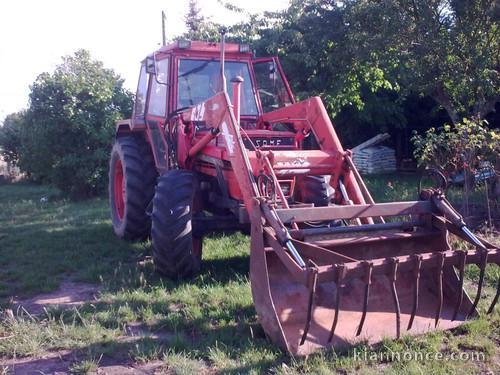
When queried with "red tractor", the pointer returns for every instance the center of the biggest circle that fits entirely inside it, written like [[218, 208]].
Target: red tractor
[[201, 155]]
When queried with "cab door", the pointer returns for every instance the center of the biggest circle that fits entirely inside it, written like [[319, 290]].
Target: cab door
[[272, 87], [157, 109]]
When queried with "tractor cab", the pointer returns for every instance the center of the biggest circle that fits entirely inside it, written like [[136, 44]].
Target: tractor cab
[[185, 73]]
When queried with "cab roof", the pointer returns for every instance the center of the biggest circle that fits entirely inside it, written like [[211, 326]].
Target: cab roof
[[199, 47]]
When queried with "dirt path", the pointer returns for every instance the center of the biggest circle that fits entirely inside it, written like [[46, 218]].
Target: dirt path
[[58, 363], [69, 294]]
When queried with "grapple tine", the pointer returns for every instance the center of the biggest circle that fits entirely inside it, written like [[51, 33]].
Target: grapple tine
[[368, 280], [340, 280], [439, 271], [495, 300], [482, 269], [392, 278], [462, 261], [416, 273], [312, 280]]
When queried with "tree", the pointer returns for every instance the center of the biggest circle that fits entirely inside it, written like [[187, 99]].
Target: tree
[[193, 18], [11, 133], [446, 49], [198, 27], [313, 41], [70, 125]]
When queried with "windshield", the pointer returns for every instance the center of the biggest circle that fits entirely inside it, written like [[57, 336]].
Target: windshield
[[200, 80]]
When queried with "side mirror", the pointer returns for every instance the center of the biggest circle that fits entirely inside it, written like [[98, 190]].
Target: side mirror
[[152, 68], [150, 65]]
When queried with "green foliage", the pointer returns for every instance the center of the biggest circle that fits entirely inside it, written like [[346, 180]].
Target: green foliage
[[314, 45], [453, 148], [344, 51], [317, 49], [446, 49], [65, 136], [199, 28], [11, 136], [202, 28], [365, 57]]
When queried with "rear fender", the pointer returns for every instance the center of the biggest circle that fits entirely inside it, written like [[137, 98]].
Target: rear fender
[[129, 125]]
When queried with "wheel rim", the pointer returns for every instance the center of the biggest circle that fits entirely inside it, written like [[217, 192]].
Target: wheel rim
[[119, 189]]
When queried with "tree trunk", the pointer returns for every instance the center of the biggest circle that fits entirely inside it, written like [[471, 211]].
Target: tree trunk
[[483, 107], [441, 97]]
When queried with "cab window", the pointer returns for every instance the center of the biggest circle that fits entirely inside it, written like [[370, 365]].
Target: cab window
[[142, 91], [158, 95]]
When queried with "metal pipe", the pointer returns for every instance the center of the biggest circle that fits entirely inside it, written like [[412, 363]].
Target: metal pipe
[[482, 269], [289, 245], [312, 280], [439, 277], [237, 81], [361, 183], [495, 300], [407, 262], [284, 202], [222, 57], [205, 140], [368, 280], [364, 189], [461, 269], [164, 38], [447, 210], [282, 233], [339, 281], [349, 202], [472, 237], [301, 233]]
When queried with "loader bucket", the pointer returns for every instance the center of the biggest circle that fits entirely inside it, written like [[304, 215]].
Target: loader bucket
[[399, 279]]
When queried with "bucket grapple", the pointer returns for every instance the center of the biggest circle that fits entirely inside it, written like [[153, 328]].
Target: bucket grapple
[[322, 274]]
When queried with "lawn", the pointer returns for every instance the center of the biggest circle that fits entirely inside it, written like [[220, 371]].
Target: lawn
[[207, 324]]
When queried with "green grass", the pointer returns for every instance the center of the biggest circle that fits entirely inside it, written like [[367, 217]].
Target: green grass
[[207, 324], [86, 366]]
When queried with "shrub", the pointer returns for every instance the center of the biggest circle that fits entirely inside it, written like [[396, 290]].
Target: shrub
[[65, 136], [462, 147]]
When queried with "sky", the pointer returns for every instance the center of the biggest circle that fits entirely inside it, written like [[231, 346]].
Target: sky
[[35, 34]]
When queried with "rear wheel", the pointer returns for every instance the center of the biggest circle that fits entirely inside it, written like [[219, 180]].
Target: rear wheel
[[132, 177], [176, 250]]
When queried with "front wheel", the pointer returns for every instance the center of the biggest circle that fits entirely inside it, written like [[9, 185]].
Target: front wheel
[[132, 177], [176, 250]]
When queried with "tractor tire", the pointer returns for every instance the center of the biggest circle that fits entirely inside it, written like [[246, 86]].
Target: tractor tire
[[176, 250], [132, 178], [314, 189]]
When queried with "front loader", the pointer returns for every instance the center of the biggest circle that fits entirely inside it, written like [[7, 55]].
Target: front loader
[[217, 142]]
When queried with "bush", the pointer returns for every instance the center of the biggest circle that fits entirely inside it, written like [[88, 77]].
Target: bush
[[463, 147], [10, 136], [65, 136]]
